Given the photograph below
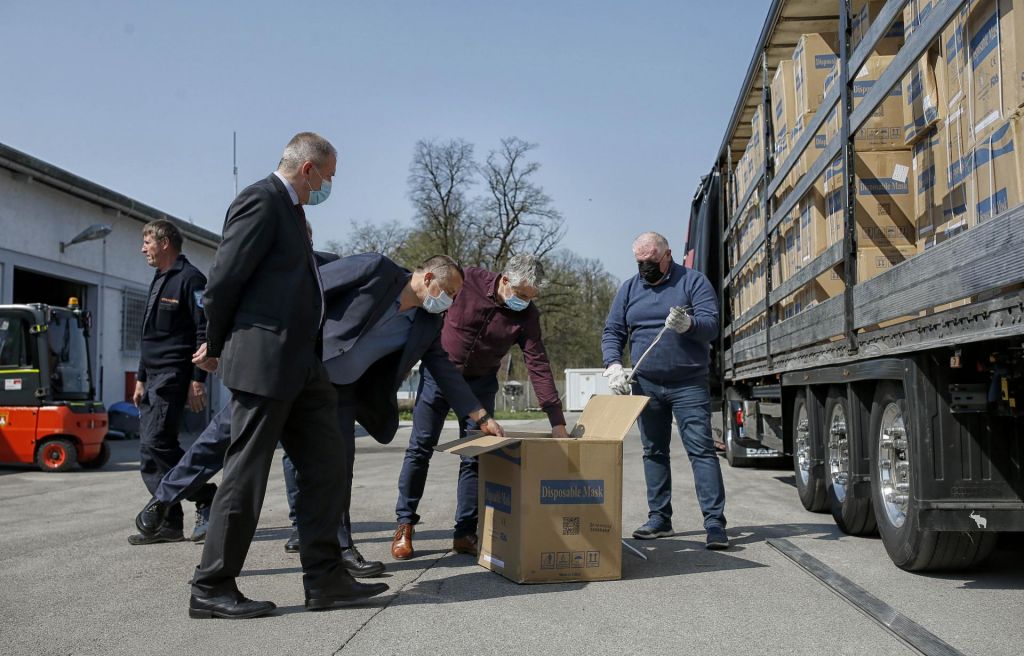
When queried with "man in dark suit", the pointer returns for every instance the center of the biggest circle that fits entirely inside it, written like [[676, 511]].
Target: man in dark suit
[[381, 320], [264, 306]]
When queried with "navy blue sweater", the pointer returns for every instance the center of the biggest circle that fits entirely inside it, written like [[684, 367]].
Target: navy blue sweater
[[638, 313]]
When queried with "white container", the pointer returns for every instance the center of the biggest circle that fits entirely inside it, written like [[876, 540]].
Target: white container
[[581, 384]]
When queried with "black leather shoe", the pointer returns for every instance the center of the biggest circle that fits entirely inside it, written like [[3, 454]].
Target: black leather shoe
[[230, 606], [340, 589], [152, 517], [359, 566], [162, 534], [202, 520], [292, 545]]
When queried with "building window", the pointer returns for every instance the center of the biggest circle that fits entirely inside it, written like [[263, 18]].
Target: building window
[[133, 310]]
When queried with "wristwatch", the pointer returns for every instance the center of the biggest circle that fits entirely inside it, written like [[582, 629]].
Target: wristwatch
[[484, 418]]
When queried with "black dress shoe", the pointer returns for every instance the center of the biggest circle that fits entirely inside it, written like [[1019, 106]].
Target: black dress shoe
[[359, 566], [292, 545], [162, 534], [230, 606], [340, 588], [152, 517]]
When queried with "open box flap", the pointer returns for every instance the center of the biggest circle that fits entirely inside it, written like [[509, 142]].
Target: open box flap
[[475, 444], [608, 416]]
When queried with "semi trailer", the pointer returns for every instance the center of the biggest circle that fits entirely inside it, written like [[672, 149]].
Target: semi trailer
[[863, 226]]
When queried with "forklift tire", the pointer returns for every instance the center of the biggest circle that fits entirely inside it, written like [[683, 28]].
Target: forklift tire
[[102, 458], [853, 515], [810, 482], [56, 455], [909, 546]]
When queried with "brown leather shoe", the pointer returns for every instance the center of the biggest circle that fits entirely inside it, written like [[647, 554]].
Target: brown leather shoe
[[466, 544], [401, 544]]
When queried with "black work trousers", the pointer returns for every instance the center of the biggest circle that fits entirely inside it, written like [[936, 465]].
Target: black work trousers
[[307, 427], [160, 414]]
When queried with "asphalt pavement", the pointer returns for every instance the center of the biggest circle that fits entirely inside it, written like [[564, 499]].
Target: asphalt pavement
[[71, 583]]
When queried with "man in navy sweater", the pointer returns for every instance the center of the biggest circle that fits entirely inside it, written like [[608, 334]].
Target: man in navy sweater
[[674, 376]]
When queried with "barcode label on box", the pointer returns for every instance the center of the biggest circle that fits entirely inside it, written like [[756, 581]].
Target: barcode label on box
[[570, 526]]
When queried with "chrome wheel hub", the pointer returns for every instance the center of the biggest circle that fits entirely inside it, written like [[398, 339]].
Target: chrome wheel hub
[[802, 446], [838, 452], [893, 465]]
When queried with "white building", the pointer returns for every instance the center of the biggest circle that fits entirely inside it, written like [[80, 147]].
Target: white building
[[42, 206]]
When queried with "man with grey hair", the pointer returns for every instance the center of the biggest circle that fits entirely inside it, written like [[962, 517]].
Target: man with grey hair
[[674, 376], [493, 313], [265, 307]]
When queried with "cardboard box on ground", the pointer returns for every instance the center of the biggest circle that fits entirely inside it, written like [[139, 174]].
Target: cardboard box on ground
[[551, 509]]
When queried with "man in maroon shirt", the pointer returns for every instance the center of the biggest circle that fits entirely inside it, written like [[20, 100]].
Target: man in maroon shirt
[[493, 312]]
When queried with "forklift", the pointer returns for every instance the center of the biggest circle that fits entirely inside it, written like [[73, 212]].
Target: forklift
[[49, 414]]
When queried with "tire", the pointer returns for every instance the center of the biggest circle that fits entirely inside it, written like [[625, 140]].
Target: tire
[[810, 484], [56, 454], [733, 452], [853, 516], [102, 458], [896, 506]]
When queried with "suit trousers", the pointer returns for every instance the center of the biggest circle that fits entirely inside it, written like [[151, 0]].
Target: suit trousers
[[346, 417], [160, 415], [200, 463], [307, 427]]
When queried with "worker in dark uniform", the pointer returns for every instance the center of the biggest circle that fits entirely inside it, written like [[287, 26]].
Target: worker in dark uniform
[[173, 327]]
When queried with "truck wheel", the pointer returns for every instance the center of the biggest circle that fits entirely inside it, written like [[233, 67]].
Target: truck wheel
[[810, 484], [56, 455], [853, 516], [910, 547], [102, 458]]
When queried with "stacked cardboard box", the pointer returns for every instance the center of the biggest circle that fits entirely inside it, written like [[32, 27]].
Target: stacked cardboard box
[[783, 109], [863, 16], [813, 58], [921, 105], [884, 128], [996, 175]]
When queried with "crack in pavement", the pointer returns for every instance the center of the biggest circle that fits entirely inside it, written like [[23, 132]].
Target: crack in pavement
[[393, 598]]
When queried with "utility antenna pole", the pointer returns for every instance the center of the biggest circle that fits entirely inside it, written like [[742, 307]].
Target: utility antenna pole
[[234, 157]]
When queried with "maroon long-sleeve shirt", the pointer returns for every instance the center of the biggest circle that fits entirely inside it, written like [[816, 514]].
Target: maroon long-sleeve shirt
[[479, 330]]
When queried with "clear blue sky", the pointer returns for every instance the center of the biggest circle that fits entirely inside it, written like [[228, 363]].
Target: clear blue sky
[[628, 100]]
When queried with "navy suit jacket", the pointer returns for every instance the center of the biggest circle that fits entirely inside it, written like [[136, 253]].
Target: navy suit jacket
[[357, 290]]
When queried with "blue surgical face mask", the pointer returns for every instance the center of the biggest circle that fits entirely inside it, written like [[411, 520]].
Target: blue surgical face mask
[[437, 304], [516, 304], [317, 196]]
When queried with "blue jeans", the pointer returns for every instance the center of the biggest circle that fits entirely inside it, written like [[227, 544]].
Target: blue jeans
[[427, 421], [691, 406]]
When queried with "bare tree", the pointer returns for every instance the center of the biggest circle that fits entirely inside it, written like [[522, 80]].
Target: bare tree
[[388, 239], [439, 180], [516, 216]]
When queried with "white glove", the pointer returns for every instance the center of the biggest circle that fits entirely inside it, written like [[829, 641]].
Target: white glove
[[616, 379], [679, 320]]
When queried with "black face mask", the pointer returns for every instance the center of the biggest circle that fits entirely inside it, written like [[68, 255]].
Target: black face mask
[[650, 271]]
